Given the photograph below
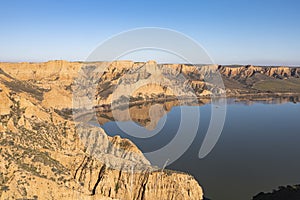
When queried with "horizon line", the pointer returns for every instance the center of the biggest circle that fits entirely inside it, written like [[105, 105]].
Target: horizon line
[[82, 61]]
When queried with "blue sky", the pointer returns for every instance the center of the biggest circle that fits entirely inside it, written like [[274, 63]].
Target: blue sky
[[233, 31]]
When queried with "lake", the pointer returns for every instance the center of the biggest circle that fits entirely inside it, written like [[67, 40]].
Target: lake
[[257, 151]]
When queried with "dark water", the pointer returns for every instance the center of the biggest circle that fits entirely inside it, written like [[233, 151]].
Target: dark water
[[258, 150]]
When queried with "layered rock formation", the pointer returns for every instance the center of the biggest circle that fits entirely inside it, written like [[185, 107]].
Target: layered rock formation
[[46, 155], [178, 80]]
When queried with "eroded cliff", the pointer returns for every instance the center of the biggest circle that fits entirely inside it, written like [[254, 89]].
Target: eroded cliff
[[46, 155], [176, 80]]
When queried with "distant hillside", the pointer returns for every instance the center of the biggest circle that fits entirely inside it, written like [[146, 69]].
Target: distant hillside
[[282, 193]]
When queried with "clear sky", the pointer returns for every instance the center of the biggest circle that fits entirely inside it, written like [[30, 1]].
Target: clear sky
[[232, 31]]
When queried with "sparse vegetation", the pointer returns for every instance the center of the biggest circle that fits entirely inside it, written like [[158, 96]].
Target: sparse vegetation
[[117, 187], [4, 188], [279, 85], [125, 144]]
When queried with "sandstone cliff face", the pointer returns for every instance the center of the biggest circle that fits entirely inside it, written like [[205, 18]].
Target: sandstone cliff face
[[203, 81], [46, 155], [248, 71], [156, 79]]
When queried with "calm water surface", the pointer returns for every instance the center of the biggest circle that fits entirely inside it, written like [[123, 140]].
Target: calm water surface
[[259, 149]]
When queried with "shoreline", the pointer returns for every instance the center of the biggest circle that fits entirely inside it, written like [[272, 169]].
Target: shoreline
[[249, 96]]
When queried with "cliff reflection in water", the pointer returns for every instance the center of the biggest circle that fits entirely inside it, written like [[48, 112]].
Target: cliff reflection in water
[[257, 150], [148, 114]]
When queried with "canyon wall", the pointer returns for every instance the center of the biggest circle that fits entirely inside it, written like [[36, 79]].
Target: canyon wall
[[45, 154]]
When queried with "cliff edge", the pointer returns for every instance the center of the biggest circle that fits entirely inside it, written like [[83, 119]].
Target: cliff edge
[[43, 155]]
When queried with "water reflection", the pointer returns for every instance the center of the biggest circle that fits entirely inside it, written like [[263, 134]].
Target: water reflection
[[148, 114], [258, 149]]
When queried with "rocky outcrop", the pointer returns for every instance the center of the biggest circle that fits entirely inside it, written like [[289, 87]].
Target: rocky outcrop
[[248, 71], [282, 193], [154, 79], [46, 155], [151, 80]]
